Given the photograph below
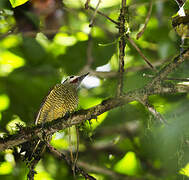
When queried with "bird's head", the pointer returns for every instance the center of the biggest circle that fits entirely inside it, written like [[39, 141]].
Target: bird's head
[[75, 80]]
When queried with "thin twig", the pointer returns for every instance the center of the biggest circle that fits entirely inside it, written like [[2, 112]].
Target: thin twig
[[95, 12], [105, 171], [139, 34], [87, 4], [128, 129], [102, 14], [173, 79], [77, 148], [70, 144], [62, 156], [180, 2], [122, 45], [114, 74], [139, 51], [32, 33], [123, 3]]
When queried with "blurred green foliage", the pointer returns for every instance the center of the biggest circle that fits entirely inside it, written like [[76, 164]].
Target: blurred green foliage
[[36, 52]]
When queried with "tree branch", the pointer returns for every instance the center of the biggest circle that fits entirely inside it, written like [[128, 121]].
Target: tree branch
[[87, 4], [154, 87], [163, 73], [122, 45], [28, 133], [95, 12], [139, 51], [102, 14], [139, 34]]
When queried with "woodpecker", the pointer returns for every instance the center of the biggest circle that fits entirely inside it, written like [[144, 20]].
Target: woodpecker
[[62, 99]]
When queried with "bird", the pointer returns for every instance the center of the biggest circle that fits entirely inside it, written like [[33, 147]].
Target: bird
[[61, 99]]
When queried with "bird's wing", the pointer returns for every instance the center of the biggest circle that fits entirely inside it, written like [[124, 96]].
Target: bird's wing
[[42, 104]]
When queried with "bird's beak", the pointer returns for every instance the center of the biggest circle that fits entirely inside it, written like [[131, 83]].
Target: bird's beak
[[83, 76]]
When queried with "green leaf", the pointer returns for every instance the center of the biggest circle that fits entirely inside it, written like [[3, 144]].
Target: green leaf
[[16, 3]]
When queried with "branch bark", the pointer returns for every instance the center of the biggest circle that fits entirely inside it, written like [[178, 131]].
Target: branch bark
[[122, 45], [154, 87]]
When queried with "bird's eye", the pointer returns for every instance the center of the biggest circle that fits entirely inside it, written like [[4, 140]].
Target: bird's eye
[[71, 76]]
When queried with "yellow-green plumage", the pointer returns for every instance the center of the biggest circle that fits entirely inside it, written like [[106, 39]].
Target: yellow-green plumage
[[61, 99]]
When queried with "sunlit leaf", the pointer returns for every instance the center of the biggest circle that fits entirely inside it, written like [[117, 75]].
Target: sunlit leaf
[[5, 168], [43, 40], [7, 21], [58, 141], [16, 3], [4, 102], [11, 41], [185, 170], [12, 125], [43, 176], [104, 4], [96, 122], [142, 10], [64, 39], [9, 62], [89, 102], [81, 36], [129, 164]]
